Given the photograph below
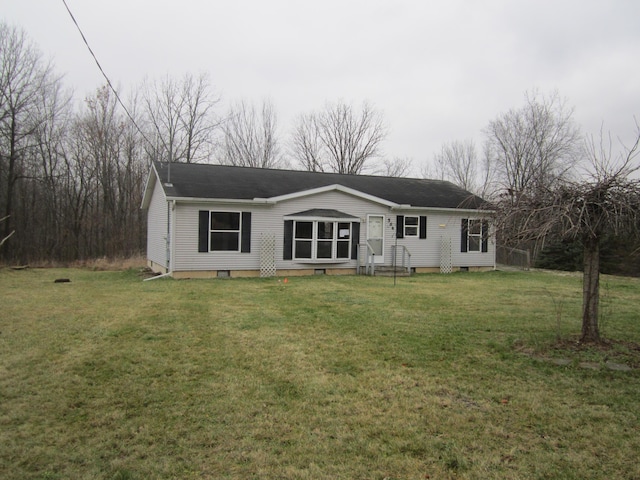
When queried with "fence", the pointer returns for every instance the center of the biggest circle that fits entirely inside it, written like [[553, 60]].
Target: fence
[[513, 257]]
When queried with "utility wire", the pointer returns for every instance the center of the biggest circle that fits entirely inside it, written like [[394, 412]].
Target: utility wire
[[84, 39]]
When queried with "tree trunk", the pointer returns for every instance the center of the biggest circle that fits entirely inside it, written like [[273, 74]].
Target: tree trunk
[[591, 291]]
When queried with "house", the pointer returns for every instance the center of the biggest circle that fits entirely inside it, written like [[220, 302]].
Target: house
[[217, 220]]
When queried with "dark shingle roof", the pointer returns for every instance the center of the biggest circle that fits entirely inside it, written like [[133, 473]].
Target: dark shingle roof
[[322, 213], [182, 180]]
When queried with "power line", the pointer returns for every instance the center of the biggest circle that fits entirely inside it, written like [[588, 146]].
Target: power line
[[84, 39]]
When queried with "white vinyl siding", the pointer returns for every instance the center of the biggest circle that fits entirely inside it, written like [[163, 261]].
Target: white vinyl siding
[[268, 219], [186, 252], [443, 224]]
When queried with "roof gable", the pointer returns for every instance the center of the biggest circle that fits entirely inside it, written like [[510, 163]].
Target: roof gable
[[222, 182], [322, 213], [330, 188]]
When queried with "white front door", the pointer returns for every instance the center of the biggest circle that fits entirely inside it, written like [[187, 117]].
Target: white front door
[[375, 236]]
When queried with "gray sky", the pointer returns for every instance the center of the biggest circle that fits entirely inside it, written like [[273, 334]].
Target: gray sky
[[438, 70]]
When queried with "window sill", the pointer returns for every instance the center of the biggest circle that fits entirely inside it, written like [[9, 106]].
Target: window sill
[[321, 261]]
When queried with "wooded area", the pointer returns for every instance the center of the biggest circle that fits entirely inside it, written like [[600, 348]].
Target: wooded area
[[72, 176], [70, 181]]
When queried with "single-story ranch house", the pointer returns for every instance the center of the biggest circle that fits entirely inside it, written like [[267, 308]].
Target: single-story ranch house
[[224, 221]]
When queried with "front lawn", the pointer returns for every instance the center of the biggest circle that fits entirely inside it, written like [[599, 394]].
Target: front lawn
[[469, 375]]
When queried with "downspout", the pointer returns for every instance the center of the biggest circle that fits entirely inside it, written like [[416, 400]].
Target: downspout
[[169, 236], [168, 242], [157, 276]]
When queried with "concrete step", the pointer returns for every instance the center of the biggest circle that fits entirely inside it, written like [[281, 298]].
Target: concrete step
[[389, 271]]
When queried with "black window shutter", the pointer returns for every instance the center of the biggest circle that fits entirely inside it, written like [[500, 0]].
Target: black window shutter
[[355, 239], [423, 226], [485, 236], [400, 226], [464, 234], [245, 246], [203, 231], [287, 254]]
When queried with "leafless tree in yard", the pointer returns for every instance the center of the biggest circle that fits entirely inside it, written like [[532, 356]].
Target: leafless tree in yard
[[531, 148], [339, 138], [605, 201], [250, 137]]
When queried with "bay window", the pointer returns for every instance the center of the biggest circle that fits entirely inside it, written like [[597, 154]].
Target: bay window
[[320, 240]]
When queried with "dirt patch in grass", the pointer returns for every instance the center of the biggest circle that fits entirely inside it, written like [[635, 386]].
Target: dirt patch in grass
[[619, 351], [612, 353]]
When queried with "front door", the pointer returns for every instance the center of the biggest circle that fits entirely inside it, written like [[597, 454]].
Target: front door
[[375, 236]]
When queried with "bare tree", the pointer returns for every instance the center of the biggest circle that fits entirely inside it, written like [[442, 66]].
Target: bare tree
[[24, 76], [70, 183], [395, 167], [49, 138], [180, 118], [250, 137], [305, 143], [107, 163], [198, 118], [163, 104], [458, 160], [533, 145], [78, 189], [339, 139], [605, 202], [458, 163]]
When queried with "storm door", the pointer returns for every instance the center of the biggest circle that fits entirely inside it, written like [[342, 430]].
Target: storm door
[[375, 236]]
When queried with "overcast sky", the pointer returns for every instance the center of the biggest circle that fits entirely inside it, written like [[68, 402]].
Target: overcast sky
[[437, 70]]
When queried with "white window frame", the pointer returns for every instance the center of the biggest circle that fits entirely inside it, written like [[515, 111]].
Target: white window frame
[[407, 227], [213, 231], [477, 236], [315, 240]]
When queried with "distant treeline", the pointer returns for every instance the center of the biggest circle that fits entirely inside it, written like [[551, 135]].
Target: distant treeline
[[72, 176]]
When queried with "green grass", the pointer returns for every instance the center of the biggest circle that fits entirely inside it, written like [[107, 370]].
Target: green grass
[[440, 376]]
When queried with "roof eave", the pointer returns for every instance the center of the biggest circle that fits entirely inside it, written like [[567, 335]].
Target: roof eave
[[242, 201], [150, 184], [444, 209]]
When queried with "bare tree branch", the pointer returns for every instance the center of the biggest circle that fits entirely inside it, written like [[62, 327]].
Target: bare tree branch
[[533, 145], [250, 138], [180, 117], [395, 167], [607, 202], [339, 138]]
